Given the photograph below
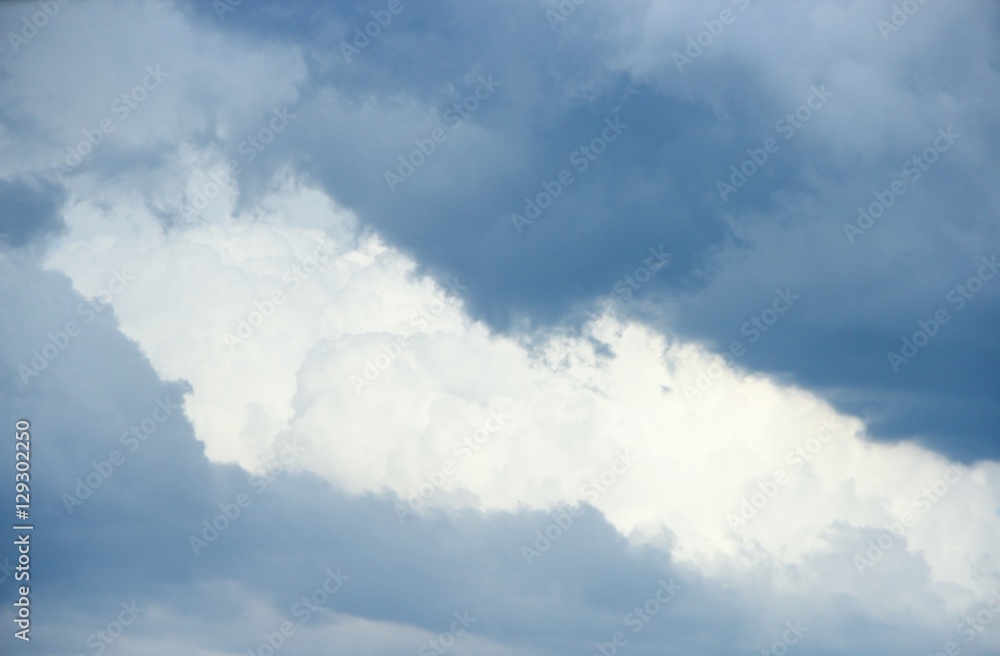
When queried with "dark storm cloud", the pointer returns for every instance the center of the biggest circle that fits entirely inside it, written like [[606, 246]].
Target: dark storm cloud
[[469, 166], [664, 180], [30, 210]]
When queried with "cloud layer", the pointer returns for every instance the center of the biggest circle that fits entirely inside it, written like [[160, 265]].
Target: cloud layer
[[428, 341]]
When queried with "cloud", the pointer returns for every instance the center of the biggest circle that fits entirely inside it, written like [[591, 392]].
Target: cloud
[[254, 576], [398, 383], [888, 93], [32, 213], [663, 441]]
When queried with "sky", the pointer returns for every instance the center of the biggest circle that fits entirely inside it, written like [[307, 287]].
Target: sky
[[501, 327]]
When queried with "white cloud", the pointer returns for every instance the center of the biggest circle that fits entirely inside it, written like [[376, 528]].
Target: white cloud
[[381, 375]]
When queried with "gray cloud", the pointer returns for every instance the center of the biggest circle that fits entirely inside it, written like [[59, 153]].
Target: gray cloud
[[30, 210], [784, 229], [784, 226]]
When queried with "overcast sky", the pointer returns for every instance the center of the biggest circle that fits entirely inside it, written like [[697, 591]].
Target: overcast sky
[[504, 327]]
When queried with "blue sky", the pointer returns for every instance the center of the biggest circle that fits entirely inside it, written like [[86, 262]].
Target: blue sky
[[496, 326]]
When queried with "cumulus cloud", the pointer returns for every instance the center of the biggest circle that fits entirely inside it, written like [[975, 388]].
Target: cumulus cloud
[[888, 94], [268, 388], [387, 383]]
